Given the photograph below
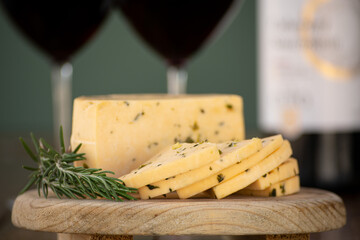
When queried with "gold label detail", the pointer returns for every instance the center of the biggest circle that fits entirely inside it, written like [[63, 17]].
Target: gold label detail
[[328, 69]]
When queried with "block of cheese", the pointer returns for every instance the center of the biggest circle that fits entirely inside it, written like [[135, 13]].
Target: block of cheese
[[120, 132], [230, 153], [172, 161], [285, 187], [251, 174], [287, 169], [269, 145]]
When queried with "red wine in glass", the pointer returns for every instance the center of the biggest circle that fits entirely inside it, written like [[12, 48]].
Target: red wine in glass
[[59, 29], [176, 29]]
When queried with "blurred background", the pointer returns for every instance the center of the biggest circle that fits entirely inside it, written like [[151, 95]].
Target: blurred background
[[115, 60]]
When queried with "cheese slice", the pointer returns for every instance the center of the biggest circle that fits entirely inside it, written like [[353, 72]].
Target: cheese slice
[[121, 132], [269, 145], [231, 152], [286, 170], [251, 174], [173, 195], [285, 187], [174, 160]]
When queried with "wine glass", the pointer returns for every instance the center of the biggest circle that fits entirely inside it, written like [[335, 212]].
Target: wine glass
[[176, 29], [59, 28]]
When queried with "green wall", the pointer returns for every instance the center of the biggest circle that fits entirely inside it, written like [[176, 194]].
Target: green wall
[[115, 61]]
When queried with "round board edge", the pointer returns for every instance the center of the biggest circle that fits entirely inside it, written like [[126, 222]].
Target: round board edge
[[310, 210]]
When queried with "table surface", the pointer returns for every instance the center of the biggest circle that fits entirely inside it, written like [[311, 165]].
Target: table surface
[[310, 210]]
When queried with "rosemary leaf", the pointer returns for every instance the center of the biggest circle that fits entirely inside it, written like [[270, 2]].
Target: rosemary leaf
[[77, 148], [29, 168], [35, 143], [28, 150], [28, 185], [55, 171], [62, 143]]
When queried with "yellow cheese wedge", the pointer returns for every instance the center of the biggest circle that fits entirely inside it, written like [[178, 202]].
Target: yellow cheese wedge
[[174, 160], [121, 132], [269, 145], [286, 170], [251, 174], [285, 187], [231, 152]]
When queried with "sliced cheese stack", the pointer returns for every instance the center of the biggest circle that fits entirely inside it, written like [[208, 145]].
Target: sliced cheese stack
[[250, 175], [282, 180], [121, 132], [174, 160], [230, 153], [285, 187], [273, 148], [286, 170], [256, 167]]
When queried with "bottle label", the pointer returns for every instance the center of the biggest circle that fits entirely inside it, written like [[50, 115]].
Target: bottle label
[[309, 65]]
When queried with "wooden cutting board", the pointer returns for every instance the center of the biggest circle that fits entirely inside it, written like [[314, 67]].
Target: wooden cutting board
[[310, 210]]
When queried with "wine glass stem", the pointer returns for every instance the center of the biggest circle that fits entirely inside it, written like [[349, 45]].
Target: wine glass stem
[[176, 80], [61, 78]]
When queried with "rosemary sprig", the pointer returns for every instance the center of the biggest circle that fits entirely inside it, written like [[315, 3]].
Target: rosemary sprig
[[56, 171]]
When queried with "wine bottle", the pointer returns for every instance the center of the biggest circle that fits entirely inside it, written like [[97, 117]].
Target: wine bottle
[[309, 85]]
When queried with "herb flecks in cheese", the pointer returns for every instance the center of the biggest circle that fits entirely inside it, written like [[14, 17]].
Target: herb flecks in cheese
[[176, 146], [229, 106], [151, 187], [144, 165], [272, 193], [138, 116], [195, 126], [189, 140], [282, 187], [220, 178], [153, 144]]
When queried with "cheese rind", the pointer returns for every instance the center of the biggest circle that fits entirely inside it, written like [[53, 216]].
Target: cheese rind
[[231, 152], [286, 170], [121, 132], [251, 174], [285, 187], [174, 160], [269, 145]]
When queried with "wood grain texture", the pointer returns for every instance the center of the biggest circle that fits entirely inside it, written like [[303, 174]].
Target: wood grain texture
[[67, 236], [303, 236], [310, 210], [288, 237]]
